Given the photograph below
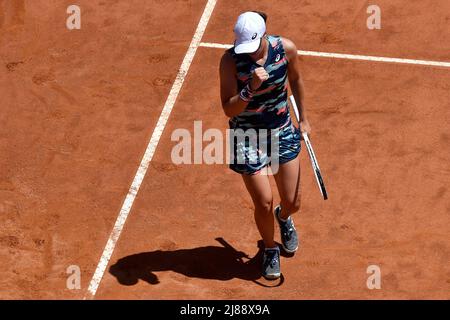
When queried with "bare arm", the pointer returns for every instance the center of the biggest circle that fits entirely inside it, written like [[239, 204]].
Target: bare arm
[[296, 83], [231, 103]]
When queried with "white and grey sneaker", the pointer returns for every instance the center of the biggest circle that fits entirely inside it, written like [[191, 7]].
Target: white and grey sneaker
[[289, 237], [271, 263]]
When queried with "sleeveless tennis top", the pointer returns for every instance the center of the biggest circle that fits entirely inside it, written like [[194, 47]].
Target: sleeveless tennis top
[[268, 108]]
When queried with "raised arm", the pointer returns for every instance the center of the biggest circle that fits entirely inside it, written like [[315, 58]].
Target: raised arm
[[234, 102], [231, 103]]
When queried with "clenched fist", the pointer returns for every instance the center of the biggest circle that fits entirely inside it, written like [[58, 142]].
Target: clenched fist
[[258, 77]]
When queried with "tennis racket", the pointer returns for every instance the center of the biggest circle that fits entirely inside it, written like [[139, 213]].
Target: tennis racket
[[312, 156]]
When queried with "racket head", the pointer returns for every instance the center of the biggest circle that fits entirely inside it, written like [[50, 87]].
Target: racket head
[[322, 185], [315, 166]]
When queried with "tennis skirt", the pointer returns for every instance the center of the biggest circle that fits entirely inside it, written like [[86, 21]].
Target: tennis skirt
[[254, 149]]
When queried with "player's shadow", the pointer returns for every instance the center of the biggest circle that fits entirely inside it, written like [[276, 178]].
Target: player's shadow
[[211, 262]]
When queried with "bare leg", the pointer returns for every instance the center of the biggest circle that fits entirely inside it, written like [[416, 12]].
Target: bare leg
[[259, 188], [288, 183]]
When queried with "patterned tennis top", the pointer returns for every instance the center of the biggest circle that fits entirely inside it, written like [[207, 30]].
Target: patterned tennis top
[[268, 108]]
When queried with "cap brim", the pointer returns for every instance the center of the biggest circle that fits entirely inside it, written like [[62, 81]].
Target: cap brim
[[248, 47]]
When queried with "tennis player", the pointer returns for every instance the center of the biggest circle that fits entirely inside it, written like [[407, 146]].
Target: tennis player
[[254, 77]]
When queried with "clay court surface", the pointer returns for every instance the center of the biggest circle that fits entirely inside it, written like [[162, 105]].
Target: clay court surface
[[78, 109]]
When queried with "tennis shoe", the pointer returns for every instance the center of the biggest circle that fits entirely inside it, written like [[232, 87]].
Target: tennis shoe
[[289, 237], [271, 263]]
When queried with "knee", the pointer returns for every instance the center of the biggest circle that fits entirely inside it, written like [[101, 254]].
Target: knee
[[264, 205]]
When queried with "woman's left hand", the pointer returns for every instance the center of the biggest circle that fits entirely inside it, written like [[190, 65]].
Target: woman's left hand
[[305, 127]]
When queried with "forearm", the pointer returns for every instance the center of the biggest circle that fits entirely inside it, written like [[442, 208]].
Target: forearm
[[237, 104], [298, 92], [234, 106]]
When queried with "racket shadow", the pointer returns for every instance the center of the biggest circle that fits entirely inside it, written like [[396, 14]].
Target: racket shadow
[[210, 262]]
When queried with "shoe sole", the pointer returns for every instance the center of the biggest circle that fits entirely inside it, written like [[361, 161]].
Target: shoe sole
[[279, 227], [272, 276], [288, 251]]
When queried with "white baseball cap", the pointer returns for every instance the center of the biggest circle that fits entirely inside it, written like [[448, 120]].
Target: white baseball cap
[[249, 29]]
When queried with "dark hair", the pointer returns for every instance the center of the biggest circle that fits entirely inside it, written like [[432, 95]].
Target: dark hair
[[262, 14]]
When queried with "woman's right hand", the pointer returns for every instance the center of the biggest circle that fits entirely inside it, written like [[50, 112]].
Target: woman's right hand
[[258, 77]]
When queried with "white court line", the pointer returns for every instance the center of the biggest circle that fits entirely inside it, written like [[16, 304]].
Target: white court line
[[149, 152], [347, 56]]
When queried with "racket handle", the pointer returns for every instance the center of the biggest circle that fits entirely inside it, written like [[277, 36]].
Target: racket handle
[[305, 136]]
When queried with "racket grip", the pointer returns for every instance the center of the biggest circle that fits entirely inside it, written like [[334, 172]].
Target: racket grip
[[305, 136]]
